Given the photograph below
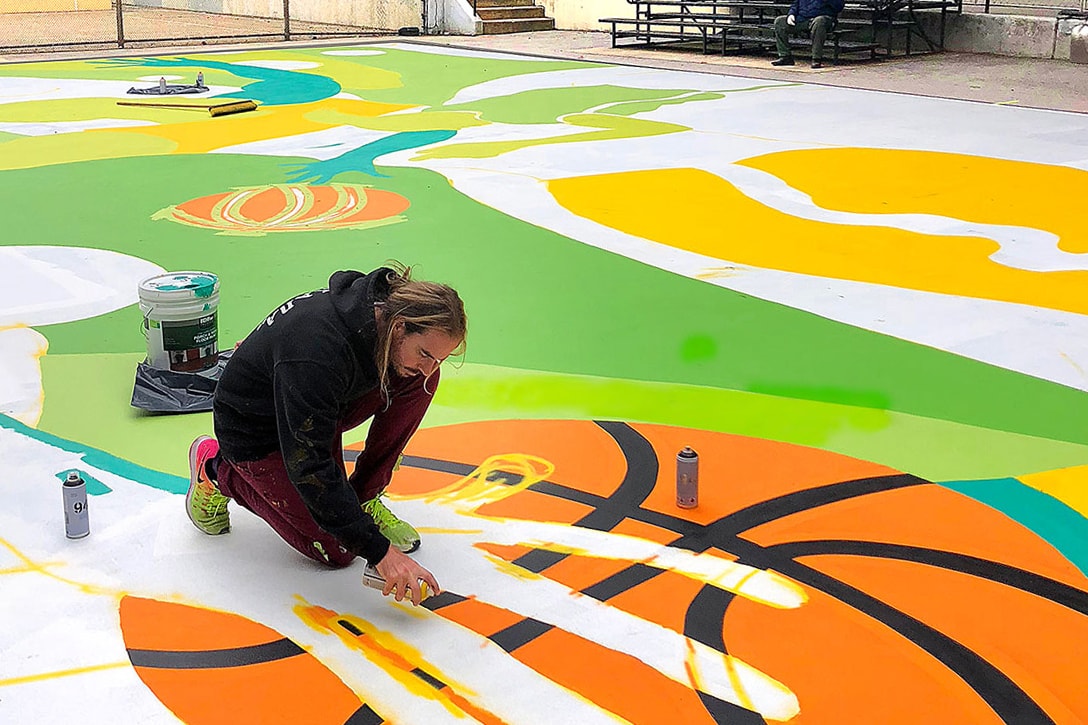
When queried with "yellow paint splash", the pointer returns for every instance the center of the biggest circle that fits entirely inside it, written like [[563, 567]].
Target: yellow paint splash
[[31, 566], [475, 489], [399, 659]]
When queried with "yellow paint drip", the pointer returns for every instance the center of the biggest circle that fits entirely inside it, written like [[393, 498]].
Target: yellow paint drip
[[781, 704], [399, 659], [62, 673]]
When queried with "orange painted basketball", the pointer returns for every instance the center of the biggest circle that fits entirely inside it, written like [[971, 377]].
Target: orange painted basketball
[[923, 605], [211, 667]]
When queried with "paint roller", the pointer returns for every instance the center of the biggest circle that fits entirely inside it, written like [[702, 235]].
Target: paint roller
[[214, 109]]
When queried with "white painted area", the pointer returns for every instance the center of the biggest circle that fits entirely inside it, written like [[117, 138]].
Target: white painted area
[[155, 79], [49, 285], [21, 393], [321, 145], [280, 64], [20, 90], [55, 127]]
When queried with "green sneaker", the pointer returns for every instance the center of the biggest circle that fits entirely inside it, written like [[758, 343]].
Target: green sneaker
[[207, 508], [400, 533]]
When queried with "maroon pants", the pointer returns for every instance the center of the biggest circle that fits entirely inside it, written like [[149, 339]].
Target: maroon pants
[[264, 487]]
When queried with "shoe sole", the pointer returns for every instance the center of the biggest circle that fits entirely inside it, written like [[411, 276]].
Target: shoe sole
[[193, 475], [410, 549]]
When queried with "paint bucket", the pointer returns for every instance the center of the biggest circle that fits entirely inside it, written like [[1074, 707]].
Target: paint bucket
[[180, 323]]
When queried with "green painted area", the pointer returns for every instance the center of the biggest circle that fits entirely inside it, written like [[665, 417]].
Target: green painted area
[[423, 121], [545, 105], [634, 107], [100, 416], [536, 300], [31, 152], [1062, 527], [611, 127]]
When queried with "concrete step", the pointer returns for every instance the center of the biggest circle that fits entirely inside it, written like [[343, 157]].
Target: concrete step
[[495, 27], [512, 12]]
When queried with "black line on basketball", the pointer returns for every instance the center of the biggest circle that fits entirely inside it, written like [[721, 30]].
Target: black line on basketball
[[211, 658], [1026, 581], [522, 633]]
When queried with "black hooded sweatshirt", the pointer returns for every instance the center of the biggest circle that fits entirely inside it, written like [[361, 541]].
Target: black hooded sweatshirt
[[286, 387]]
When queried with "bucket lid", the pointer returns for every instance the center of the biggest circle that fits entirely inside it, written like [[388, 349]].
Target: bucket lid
[[179, 285]]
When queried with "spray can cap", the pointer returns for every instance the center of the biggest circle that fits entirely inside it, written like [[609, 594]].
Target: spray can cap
[[688, 452], [73, 476]]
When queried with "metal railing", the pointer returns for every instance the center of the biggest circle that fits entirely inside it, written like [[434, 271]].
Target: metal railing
[[117, 24], [1045, 8]]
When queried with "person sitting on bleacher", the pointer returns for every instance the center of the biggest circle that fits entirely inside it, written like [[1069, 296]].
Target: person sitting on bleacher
[[815, 17]]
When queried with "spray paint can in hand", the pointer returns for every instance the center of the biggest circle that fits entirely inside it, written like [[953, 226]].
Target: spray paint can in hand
[[374, 580], [76, 522], [687, 478]]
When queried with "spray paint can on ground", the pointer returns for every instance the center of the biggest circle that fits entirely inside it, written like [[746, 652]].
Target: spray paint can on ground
[[76, 522], [687, 478]]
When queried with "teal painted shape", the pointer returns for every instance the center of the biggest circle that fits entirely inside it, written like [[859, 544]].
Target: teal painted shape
[[270, 86], [362, 158], [94, 486], [102, 460], [1062, 527]]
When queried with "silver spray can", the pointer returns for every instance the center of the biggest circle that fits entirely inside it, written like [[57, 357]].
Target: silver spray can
[[76, 523], [687, 478]]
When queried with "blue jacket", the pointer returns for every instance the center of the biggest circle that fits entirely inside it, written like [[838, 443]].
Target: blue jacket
[[805, 9]]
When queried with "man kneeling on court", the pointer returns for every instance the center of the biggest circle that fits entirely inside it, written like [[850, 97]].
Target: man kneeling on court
[[806, 17]]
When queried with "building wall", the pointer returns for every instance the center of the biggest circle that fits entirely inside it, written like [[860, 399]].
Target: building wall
[[585, 14], [46, 6], [388, 14]]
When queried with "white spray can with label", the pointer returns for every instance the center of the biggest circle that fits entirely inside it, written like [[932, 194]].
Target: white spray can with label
[[77, 524]]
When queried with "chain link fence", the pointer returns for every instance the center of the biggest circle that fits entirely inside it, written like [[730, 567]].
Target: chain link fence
[[44, 25]]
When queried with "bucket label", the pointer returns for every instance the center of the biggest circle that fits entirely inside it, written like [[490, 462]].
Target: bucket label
[[188, 345]]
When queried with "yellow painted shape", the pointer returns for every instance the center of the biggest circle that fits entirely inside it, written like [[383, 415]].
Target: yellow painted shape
[[972, 188], [700, 212], [196, 132], [1068, 485], [69, 109], [66, 148], [609, 128]]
